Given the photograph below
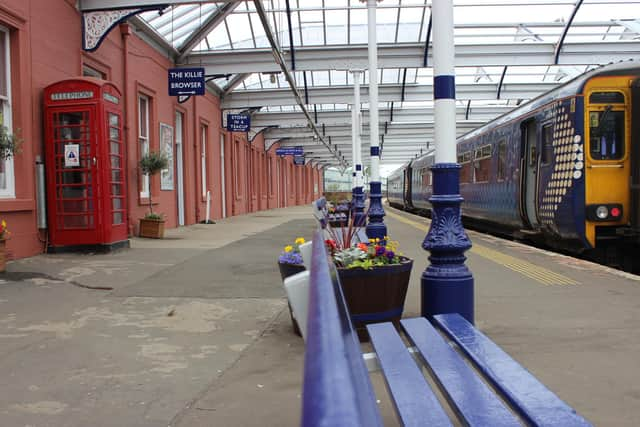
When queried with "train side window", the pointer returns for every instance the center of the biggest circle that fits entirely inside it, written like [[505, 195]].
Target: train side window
[[606, 134], [482, 163], [465, 161], [547, 145], [502, 159]]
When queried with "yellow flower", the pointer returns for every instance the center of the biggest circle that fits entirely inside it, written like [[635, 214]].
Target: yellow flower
[[299, 240], [4, 224], [288, 248]]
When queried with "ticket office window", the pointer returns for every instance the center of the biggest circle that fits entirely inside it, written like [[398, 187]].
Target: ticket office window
[[7, 178]]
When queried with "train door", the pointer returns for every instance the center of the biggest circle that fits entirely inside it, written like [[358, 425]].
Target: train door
[[530, 161], [635, 155]]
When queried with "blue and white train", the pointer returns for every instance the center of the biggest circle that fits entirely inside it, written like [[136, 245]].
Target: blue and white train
[[563, 168]]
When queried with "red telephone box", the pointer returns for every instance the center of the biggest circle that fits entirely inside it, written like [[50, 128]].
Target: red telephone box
[[86, 186]]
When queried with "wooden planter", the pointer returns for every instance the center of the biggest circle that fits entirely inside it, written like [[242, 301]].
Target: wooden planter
[[375, 295], [287, 270], [152, 228], [3, 255]]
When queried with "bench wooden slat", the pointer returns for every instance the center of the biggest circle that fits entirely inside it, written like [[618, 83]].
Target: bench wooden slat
[[470, 397], [337, 390], [415, 402], [535, 402]]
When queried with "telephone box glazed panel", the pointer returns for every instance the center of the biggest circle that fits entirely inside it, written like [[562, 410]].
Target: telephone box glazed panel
[[86, 187]]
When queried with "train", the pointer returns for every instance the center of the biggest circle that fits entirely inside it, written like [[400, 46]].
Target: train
[[562, 170]]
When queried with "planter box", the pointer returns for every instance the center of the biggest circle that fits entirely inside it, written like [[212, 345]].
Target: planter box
[[152, 228], [375, 295], [287, 270]]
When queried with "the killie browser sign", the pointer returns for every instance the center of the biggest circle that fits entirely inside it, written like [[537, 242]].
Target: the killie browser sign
[[186, 81]]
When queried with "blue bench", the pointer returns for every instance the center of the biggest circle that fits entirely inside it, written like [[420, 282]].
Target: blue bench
[[477, 383]]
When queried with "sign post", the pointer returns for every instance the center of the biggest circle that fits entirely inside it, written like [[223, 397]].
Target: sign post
[[186, 81], [290, 151], [238, 123]]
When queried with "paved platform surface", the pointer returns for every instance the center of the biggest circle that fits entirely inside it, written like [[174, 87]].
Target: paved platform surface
[[193, 330]]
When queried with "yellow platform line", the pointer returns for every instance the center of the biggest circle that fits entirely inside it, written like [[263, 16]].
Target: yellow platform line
[[532, 271]]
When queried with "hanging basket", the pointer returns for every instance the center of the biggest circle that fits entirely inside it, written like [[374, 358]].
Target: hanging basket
[[375, 295]]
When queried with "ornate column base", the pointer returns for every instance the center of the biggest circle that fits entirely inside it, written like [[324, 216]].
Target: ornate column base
[[376, 229], [357, 207], [447, 284]]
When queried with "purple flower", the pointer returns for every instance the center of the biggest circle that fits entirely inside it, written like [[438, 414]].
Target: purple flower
[[290, 258], [379, 250], [390, 255]]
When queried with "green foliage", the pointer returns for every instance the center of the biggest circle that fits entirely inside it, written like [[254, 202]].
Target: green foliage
[[154, 216], [150, 164], [350, 256], [153, 162], [9, 143]]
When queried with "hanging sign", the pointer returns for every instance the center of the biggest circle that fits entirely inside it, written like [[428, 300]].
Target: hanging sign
[[290, 151], [298, 160], [238, 123], [72, 155], [186, 81]]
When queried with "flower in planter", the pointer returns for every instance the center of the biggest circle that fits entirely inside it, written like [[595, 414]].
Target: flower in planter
[[4, 232], [291, 253], [365, 255]]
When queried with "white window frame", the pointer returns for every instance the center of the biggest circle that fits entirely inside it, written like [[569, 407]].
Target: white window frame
[[203, 158], [9, 191], [143, 142]]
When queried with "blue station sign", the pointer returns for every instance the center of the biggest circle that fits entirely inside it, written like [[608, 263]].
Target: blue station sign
[[298, 160], [290, 151], [238, 123], [186, 81]]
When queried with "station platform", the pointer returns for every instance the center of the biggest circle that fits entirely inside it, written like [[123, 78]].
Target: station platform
[[194, 330]]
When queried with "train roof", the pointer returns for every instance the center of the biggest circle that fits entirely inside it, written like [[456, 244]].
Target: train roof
[[572, 87]]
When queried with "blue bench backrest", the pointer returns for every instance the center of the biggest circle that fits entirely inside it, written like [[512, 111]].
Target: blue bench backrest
[[337, 390]]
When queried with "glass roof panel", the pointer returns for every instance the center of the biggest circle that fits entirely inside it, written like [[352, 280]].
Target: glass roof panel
[[336, 26]]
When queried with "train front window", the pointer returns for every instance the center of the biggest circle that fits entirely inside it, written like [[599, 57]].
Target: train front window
[[606, 134]]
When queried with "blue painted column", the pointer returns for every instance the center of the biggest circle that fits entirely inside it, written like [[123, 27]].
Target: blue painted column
[[447, 283], [360, 219], [376, 227]]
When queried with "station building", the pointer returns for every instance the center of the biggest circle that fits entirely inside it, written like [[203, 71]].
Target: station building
[[40, 45]]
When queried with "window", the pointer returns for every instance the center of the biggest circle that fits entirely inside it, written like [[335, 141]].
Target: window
[[482, 163], [465, 161], [502, 159], [143, 139], [606, 134], [426, 177], [89, 71], [547, 144], [7, 179], [203, 158]]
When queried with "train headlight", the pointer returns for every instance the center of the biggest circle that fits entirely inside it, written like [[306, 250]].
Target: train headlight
[[602, 212], [606, 212]]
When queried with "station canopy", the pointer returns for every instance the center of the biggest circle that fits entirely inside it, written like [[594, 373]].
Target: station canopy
[[288, 63]]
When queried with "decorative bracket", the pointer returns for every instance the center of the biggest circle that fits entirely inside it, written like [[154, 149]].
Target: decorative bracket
[[96, 25]]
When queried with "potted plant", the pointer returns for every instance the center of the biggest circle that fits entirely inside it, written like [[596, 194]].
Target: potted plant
[[290, 263], [152, 225], [9, 143], [374, 276]]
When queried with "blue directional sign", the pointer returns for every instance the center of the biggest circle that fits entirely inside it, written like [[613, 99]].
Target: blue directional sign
[[298, 160], [186, 81], [238, 123], [290, 151]]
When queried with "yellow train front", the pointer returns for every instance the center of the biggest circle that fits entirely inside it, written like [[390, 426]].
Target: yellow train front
[[563, 168]]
